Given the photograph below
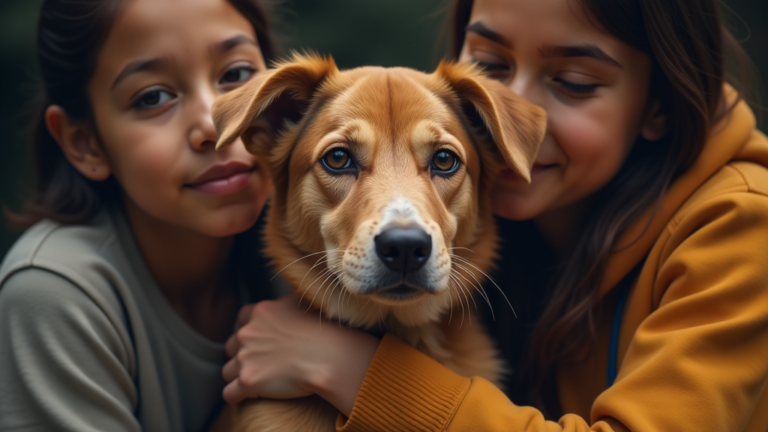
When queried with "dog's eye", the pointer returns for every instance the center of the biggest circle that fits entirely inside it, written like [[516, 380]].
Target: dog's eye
[[337, 161], [445, 162]]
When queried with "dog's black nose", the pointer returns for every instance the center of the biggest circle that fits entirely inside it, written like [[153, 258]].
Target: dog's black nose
[[404, 249]]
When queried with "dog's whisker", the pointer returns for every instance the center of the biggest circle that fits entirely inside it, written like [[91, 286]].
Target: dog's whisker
[[467, 296], [476, 285], [330, 276], [338, 298], [469, 263], [304, 291], [455, 281], [461, 301], [322, 274], [349, 297], [483, 294], [300, 288], [322, 259], [328, 270], [454, 271], [461, 248], [450, 301], [338, 301], [297, 260], [330, 297]]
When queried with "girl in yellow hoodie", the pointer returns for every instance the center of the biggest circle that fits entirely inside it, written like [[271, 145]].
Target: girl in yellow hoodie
[[641, 244]]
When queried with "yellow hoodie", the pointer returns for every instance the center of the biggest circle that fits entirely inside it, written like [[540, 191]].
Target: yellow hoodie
[[691, 342]]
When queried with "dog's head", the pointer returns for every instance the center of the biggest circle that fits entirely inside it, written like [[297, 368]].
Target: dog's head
[[382, 176]]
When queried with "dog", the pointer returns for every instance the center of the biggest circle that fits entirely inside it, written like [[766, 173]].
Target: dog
[[381, 215]]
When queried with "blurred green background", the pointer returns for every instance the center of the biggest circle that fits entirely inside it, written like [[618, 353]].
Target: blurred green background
[[356, 32]]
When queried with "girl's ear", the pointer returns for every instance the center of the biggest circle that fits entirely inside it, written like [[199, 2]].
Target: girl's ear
[[259, 110], [79, 144], [516, 125], [654, 125]]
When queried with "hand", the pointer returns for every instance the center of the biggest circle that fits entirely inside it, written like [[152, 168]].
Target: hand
[[281, 352]]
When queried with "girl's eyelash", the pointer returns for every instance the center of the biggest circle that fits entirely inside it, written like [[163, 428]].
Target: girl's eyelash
[[491, 67], [250, 69], [576, 88], [140, 102]]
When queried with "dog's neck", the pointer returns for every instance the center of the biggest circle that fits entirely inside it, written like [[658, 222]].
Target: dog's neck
[[427, 338]]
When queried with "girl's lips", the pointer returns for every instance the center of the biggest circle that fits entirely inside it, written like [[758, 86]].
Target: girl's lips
[[223, 179], [511, 176]]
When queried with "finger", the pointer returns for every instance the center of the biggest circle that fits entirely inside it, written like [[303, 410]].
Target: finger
[[244, 315], [234, 393], [231, 370], [232, 346]]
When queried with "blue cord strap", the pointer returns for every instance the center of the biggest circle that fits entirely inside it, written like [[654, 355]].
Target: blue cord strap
[[613, 350]]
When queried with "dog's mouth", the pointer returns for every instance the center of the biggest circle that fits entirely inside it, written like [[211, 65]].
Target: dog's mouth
[[399, 293]]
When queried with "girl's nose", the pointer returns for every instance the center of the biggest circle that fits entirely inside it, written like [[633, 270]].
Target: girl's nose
[[203, 136], [525, 85]]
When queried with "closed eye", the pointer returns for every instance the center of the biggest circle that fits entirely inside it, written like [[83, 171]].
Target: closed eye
[[494, 70], [582, 89]]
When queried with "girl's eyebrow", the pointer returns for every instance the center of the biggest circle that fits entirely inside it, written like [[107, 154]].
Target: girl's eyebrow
[[159, 62], [232, 42], [141, 66], [480, 29], [588, 50]]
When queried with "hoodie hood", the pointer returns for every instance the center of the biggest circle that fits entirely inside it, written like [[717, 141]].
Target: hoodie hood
[[733, 139]]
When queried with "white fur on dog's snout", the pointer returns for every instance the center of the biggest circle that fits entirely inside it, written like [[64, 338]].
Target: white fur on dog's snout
[[363, 272]]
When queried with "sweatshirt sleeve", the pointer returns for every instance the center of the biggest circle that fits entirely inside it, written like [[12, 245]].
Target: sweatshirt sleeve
[[405, 390], [62, 365], [699, 361]]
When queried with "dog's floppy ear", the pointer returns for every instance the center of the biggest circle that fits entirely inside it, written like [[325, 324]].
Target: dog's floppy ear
[[268, 100], [516, 126]]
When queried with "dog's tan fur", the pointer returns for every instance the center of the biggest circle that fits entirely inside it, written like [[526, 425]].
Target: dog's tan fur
[[320, 226]]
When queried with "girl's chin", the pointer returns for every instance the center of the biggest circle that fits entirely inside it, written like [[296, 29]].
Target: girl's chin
[[514, 206], [229, 225]]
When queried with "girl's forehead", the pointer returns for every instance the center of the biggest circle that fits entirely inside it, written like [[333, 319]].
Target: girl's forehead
[[176, 30], [530, 21]]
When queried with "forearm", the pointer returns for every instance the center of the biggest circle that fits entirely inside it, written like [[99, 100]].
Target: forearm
[[339, 380]]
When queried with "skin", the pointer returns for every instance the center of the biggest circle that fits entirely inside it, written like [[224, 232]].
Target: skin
[[597, 109], [154, 133]]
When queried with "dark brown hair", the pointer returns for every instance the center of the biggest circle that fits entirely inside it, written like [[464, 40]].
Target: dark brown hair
[[686, 41], [70, 34]]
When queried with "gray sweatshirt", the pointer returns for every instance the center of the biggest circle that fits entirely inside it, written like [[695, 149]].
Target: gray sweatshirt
[[89, 343]]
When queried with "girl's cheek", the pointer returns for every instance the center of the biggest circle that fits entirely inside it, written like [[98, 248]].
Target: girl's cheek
[[577, 135], [594, 153], [147, 157]]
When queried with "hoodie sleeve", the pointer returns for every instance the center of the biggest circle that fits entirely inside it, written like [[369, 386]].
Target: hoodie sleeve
[[405, 390], [698, 361]]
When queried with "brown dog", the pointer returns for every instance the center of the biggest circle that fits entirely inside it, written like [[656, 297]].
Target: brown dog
[[381, 213]]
